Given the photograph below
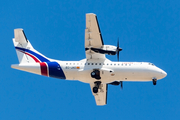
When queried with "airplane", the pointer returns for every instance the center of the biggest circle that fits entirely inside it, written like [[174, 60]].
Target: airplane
[[95, 69]]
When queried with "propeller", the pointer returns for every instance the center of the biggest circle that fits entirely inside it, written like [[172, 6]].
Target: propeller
[[118, 49], [121, 84]]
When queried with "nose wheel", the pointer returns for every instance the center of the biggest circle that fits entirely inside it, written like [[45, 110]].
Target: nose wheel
[[154, 80]]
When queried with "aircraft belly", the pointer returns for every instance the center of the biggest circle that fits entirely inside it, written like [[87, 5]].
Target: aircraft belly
[[71, 74], [134, 74], [85, 76], [109, 75]]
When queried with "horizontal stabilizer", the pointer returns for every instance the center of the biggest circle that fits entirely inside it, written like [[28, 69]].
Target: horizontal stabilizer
[[33, 68]]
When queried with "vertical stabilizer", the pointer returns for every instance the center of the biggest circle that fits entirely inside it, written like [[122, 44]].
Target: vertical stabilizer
[[25, 51], [20, 36]]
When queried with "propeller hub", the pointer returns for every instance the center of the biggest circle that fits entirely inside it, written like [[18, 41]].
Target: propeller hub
[[120, 49]]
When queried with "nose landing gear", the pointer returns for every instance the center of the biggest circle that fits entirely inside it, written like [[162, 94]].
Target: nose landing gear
[[96, 74], [154, 80]]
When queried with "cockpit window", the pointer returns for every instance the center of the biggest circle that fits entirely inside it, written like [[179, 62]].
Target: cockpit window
[[151, 64]]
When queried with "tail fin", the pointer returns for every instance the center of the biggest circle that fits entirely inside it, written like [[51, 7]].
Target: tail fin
[[25, 51]]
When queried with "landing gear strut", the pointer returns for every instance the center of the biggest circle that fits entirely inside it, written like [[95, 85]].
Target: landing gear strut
[[154, 81], [95, 74], [96, 87]]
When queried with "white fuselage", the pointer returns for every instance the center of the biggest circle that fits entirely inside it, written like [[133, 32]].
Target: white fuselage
[[109, 71]]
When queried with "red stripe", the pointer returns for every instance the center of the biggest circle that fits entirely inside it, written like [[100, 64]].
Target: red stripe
[[43, 65], [35, 59], [44, 70]]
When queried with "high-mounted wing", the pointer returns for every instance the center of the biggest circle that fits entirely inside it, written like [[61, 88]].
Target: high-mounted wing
[[93, 38], [101, 95]]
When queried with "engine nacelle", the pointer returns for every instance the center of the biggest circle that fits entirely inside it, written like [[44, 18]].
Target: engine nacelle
[[110, 49], [115, 83], [106, 49]]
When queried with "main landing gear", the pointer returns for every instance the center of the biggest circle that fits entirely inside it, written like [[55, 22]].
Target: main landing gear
[[96, 87], [96, 74], [154, 80]]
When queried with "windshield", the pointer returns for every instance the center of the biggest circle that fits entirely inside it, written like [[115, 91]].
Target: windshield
[[151, 64]]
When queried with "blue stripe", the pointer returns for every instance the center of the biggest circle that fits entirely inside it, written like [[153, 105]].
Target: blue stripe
[[55, 70], [41, 58]]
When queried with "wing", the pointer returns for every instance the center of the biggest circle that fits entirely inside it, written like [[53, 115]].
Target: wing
[[101, 96], [93, 37]]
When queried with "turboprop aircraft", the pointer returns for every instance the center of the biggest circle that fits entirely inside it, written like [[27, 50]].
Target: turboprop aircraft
[[95, 69]]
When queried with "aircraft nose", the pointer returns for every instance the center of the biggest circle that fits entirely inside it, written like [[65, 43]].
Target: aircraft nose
[[163, 73]]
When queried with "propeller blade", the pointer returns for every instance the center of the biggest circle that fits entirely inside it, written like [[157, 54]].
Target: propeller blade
[[121, 83], [118, 43], [118, 55], [118, 49]]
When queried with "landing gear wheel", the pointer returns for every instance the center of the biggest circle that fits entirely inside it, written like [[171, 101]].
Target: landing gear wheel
[[93, 73], [95, 89], [96, 86], [154, 81], [96, 74]]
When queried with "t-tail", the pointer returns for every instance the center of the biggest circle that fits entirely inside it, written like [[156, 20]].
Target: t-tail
[[30, 60]]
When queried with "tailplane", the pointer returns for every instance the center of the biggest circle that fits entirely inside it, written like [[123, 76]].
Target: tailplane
[[25, 51]]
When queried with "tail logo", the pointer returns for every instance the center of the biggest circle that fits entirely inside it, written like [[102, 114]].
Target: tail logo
[[48, 68], [33, 55]]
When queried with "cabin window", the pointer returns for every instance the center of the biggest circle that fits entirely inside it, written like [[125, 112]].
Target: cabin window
[[107, 64], [111, 64], [70, 63], [91, 63], [114, 64], [99, 63], [66, 63], [77, 63], [122, 64], [118, 64], [73, 63], [95, 63]]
